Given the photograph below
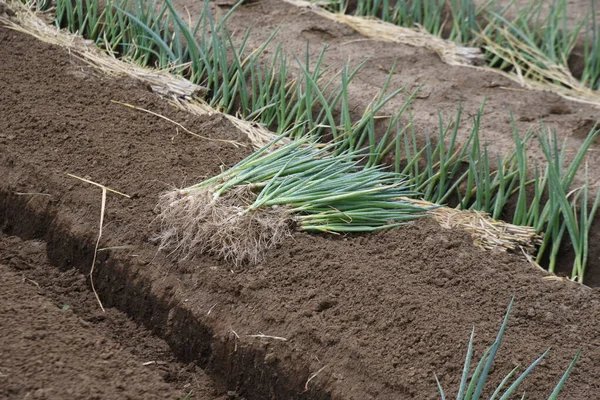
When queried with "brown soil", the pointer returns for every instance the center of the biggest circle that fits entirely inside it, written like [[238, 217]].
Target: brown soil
[[56, 343], [374, 315]]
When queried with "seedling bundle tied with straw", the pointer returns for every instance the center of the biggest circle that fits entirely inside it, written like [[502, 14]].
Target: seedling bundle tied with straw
[[254, 205]]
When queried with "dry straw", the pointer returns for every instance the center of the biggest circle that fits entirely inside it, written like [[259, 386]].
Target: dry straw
[[487, 233], [376, 29], [554, 78]]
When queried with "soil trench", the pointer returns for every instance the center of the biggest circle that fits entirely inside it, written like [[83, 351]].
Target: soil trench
[[363, 317], [63, 105], [56, 343]]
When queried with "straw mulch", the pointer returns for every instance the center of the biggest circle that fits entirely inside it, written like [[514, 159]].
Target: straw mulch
[[377, 29], [486, 232]]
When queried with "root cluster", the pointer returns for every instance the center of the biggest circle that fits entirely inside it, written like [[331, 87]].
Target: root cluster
[[194, 222]]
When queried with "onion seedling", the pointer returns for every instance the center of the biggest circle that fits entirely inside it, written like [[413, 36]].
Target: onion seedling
[[472, 388]]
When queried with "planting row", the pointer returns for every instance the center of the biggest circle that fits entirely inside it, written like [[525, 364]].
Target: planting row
[[330, 187]]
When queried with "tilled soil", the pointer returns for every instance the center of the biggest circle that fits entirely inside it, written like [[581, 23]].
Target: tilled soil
[[56, 343], [348, 317]]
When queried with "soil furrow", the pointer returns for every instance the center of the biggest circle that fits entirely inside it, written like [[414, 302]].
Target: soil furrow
[[56, 342], [123, 286], [66, 114]]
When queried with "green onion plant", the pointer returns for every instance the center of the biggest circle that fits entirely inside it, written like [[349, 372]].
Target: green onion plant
[[472, 385], [425, 13], [506, 187], [252, 206], [464, 21], [566, 210], [591, 72]]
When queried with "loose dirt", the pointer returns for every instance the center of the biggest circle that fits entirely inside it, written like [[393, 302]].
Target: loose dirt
[[363, 317], [55, 343]]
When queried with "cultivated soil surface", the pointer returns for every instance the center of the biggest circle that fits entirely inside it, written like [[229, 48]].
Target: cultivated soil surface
[[363, 317], [56, 343]]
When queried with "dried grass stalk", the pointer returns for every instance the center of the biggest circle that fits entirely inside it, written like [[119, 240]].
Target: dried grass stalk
[[552, 77], [377, 29], [487, 233]]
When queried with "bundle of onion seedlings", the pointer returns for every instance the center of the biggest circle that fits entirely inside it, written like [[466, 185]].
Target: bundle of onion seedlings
[[254, 205]]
